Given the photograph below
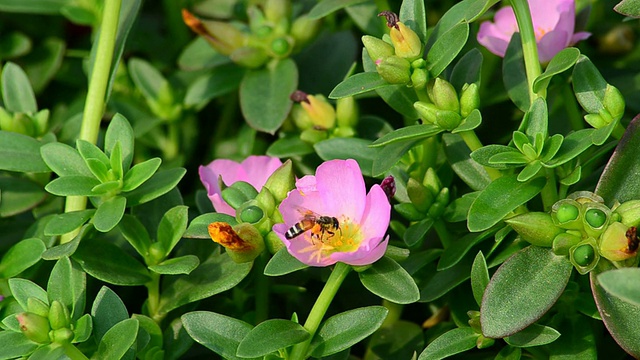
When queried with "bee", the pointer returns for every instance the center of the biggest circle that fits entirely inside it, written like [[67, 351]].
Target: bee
[[318, 224]]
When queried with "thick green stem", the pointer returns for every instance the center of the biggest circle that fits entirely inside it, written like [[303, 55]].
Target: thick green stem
[[618, 131], [471, 139], [262, 288], [549, 192], [95, 101], [339, 273], [153, 300], [529, 45]]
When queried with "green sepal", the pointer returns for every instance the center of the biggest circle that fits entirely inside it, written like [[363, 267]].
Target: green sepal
[[537, 228]]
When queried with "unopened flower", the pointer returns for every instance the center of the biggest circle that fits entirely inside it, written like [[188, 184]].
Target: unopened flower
[[242, 242], [553, 23], [405, 41], [320, 113], [330, 217], [255, 170]]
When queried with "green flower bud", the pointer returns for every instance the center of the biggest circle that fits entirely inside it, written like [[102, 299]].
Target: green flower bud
[[563, 242], [35, 327], [537, 228], [436, 210], [585, 196], [614, 102], [566, 214], [344, 132], [443, 95], [427, 111], [420, 196], [320, 111], [251, 214], [6, 120], [266, 201], [156, 253], [432, 181], [62, 336], [276, 10], [619, 242], [58, 315], [377, 49], [595, 120], [303, 30], [222, 36], [448, 120], [419, 78], [249, 57], [395, 70], [274, 243], [595, 218], [584, 256], [301, 118], [469, 99], [629, 212], [281, 47], [239, 193], [406, 42], [484, 342], [37, 306], [281, 181], [347, 112], [243, 242], [409, 211], [313, 136]]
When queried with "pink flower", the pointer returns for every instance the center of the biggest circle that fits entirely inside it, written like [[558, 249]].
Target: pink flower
[[330, 217], [553, 23], [255, 170]]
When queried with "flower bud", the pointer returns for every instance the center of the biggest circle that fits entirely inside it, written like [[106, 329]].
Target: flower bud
[[37, 306], [614, 102], [223, 37], [484, 342], [303, 30], [566, 214], [388, 185], [377, 49], [584, 256], [427, 111], [281, 47], [313, 136], [436, 210], [58, 315], [421, 197], [432, 181], [448, 120], [320, 111], [595, 219], [35, 327], [406, 42], [301, 118], [619, 242], [563, 242], [238, 193], [443, 95], [343, 132], [276, 10], [419, 78], [395, 70], [347, 112], [249, 56], [156, 253], [469, 99], [273, 242], [629, 212], [62, 336], [251, 214], [266, 201], [242, 242], [537, 228], [281, 181]]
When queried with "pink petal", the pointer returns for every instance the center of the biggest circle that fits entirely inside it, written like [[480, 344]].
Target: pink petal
[[257, 169], [377, 213], [365, 255], [296, 246], [306, 184], [209, 179], [492, 39], [550, 44], [341, 186], [296, 205], [546, 14], [583, 35], [505, 22]]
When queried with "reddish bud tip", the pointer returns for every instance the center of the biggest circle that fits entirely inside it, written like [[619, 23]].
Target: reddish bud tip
[[388, 185], [392, 18], [299, 96]]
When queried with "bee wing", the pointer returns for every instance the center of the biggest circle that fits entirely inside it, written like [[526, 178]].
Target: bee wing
[[306, 213]]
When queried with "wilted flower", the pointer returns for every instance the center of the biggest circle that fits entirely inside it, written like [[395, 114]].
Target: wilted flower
[[553, 23], [243, 242], [330, 218], [255, 170]]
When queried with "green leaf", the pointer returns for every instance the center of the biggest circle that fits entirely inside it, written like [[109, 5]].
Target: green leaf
[[51, 351], [215, 275], [15, 344], [116, 341], [413, 14], [219, 333], [108, 262], [532, 169], [89, 151], [159, 184], [220, 81], [44, 62], [485, 155], [390, 281], [578, 340], [148, 79], [346, 329], [83, 329], [479, 277], [533, 335], [15, 44], [20, 153], [23, 289], [467, 70], [179, 265], [66, 222], [68, 248], [561, 62], [450, 343], [499, 198], [617, 182], [67, 284], [17, 93], [64, 160], [327, 7], [408, 133], [514, 74], [19, 194], [446, 48], [389, 155], [264, 95], [459, 157], [107, 310], [572, 146], [282, 263], [348, 148], [507, 305], [135, 233], [120, 130], [470, 122], [629, 8], [588, 85], [172, 225], [458, 209], [270, 336], [47, 7], [140, 173], [198, 228], [20, 257], [289, 146], [399, 340], [416, 232], [109, 213], [622, 284], [358, 84], [155, 336]]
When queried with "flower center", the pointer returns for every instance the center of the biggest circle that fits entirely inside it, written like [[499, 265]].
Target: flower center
[[325, 239], [540, 32]]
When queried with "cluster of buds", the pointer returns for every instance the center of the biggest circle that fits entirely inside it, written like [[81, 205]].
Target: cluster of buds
[[46, 323], [318, 120], [398, 61], [256, 212], [428, 198], [446, 109], [482, 342], [584, 229], [270, 33], [612, 109], [33, 125]]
